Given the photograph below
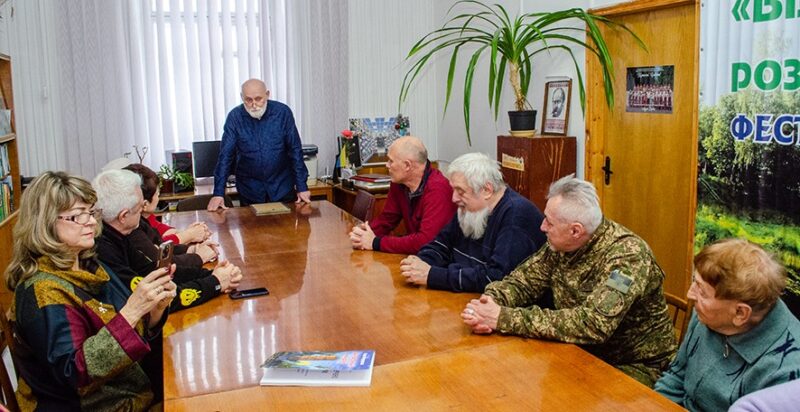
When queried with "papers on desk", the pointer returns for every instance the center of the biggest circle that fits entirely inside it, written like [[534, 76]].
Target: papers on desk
[[347, 368], [371, 186], [274, 208]]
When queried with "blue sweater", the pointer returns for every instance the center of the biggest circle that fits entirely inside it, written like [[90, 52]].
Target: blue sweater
[[702, 378], [462, 264], [267, 155]]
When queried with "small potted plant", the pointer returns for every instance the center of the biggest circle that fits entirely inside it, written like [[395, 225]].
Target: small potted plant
[[172, 179]]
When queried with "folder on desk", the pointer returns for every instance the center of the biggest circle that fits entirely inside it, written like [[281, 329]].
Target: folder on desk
[[273, 208]]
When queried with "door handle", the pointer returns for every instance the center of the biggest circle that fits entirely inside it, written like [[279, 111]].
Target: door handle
[[607, 170]]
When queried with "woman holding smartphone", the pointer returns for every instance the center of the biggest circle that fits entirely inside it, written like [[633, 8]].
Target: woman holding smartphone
[[81, 336]]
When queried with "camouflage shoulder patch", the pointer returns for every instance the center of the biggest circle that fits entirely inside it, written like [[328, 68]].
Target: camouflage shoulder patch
[[619, 281], [611, 303]]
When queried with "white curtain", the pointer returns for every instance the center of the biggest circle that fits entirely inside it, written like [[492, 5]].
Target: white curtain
[[164, 73]]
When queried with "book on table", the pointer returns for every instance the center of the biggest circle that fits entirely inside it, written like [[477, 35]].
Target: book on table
[[344, 368], [274, 208], [373, 178]]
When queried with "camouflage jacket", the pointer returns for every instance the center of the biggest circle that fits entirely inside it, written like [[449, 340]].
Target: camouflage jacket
[[608, 297]]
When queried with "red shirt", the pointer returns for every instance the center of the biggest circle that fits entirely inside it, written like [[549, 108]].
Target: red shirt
[[161, 228], [424, 212]]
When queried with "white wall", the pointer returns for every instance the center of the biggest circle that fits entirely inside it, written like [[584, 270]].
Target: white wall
[[380, 35], [388, 29], [484, 129]]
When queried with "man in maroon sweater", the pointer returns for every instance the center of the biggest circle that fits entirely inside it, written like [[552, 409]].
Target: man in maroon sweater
[[419, 196]]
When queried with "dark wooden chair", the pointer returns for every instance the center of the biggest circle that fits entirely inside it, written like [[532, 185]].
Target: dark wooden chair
[[681, 311], [362, 207], [6, 342], [199, 202]]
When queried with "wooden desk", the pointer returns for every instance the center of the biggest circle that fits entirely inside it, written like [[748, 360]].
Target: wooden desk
[[326, 296], [319, 191], [516, 374]]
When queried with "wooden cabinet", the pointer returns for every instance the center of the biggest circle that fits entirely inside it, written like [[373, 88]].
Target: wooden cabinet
[[530, 165]]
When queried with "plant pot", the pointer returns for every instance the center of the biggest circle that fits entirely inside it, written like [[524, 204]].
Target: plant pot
[[167, 186], [522, 119]]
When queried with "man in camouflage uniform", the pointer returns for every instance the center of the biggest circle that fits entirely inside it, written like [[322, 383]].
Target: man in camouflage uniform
[[606, 284]]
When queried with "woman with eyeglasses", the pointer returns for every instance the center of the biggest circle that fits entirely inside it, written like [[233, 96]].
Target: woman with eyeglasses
[[81, 336]]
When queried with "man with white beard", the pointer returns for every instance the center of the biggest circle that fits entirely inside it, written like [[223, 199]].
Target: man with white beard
[[260, 140], [494, 230]]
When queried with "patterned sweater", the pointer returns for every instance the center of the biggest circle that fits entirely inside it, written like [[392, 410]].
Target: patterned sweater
[[73, 350]]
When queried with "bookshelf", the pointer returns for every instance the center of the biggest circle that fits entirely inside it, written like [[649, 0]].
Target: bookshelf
[[10, 173]]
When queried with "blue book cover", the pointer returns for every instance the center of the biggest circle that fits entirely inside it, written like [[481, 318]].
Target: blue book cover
[[312, 368]]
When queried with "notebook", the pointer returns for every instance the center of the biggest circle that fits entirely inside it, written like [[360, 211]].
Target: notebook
[[274, 208]]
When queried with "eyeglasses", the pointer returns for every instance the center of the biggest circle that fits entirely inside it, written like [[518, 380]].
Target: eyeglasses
[[83, 218]]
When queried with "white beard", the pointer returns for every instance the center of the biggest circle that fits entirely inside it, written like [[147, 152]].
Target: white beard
[[473, 224], [257, 113]]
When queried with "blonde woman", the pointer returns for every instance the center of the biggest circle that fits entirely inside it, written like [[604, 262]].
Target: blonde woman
[[82, 338]]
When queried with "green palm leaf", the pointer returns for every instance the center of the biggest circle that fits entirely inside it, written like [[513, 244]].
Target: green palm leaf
[[512, 45]]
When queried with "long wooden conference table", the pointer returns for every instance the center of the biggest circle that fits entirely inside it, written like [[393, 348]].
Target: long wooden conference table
[[326, 296]]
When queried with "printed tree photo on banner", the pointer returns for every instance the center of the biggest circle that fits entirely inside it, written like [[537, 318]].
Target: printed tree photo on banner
[[749, 153]]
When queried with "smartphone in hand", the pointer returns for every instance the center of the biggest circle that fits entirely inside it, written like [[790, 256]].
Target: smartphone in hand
[[165, 253], [248, 293]]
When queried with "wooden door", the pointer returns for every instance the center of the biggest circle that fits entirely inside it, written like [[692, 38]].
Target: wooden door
[[653, 157]]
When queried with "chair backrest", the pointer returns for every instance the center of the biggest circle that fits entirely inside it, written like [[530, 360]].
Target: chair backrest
[[362, 207], [6, 386], [199, 202], [681, 312]]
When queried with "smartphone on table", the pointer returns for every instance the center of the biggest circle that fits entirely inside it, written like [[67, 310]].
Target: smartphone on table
[[248, 293]]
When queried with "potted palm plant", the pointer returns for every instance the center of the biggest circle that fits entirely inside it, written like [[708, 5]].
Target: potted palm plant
[[511, 44]]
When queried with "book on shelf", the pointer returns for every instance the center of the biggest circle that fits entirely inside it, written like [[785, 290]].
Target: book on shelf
[[373, 178], [345, 368], [5, 164], [6, 197], [273, 208], [5, 122]]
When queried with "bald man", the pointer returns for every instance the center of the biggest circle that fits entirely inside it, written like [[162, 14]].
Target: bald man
[[261, 142], [419, 196]]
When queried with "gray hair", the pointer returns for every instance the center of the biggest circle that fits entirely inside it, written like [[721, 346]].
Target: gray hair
[[116, 191], [478, 169], [579, 202]]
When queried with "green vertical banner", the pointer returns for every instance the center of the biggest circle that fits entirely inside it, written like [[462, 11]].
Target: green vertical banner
[[749, 150]]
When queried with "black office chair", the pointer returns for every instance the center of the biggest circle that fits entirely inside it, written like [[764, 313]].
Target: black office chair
[[362, 207], [199, 202]]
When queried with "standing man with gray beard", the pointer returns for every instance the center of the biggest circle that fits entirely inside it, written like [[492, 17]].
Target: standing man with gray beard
[[494, 230], [262, 147]]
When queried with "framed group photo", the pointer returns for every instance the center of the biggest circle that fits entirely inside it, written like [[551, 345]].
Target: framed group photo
[[555, 112]]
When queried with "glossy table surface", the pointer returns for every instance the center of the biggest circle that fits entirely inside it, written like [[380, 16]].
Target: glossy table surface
[[326, 296]]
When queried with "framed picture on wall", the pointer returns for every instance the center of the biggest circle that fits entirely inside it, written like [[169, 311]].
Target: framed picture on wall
[[555, 112]]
